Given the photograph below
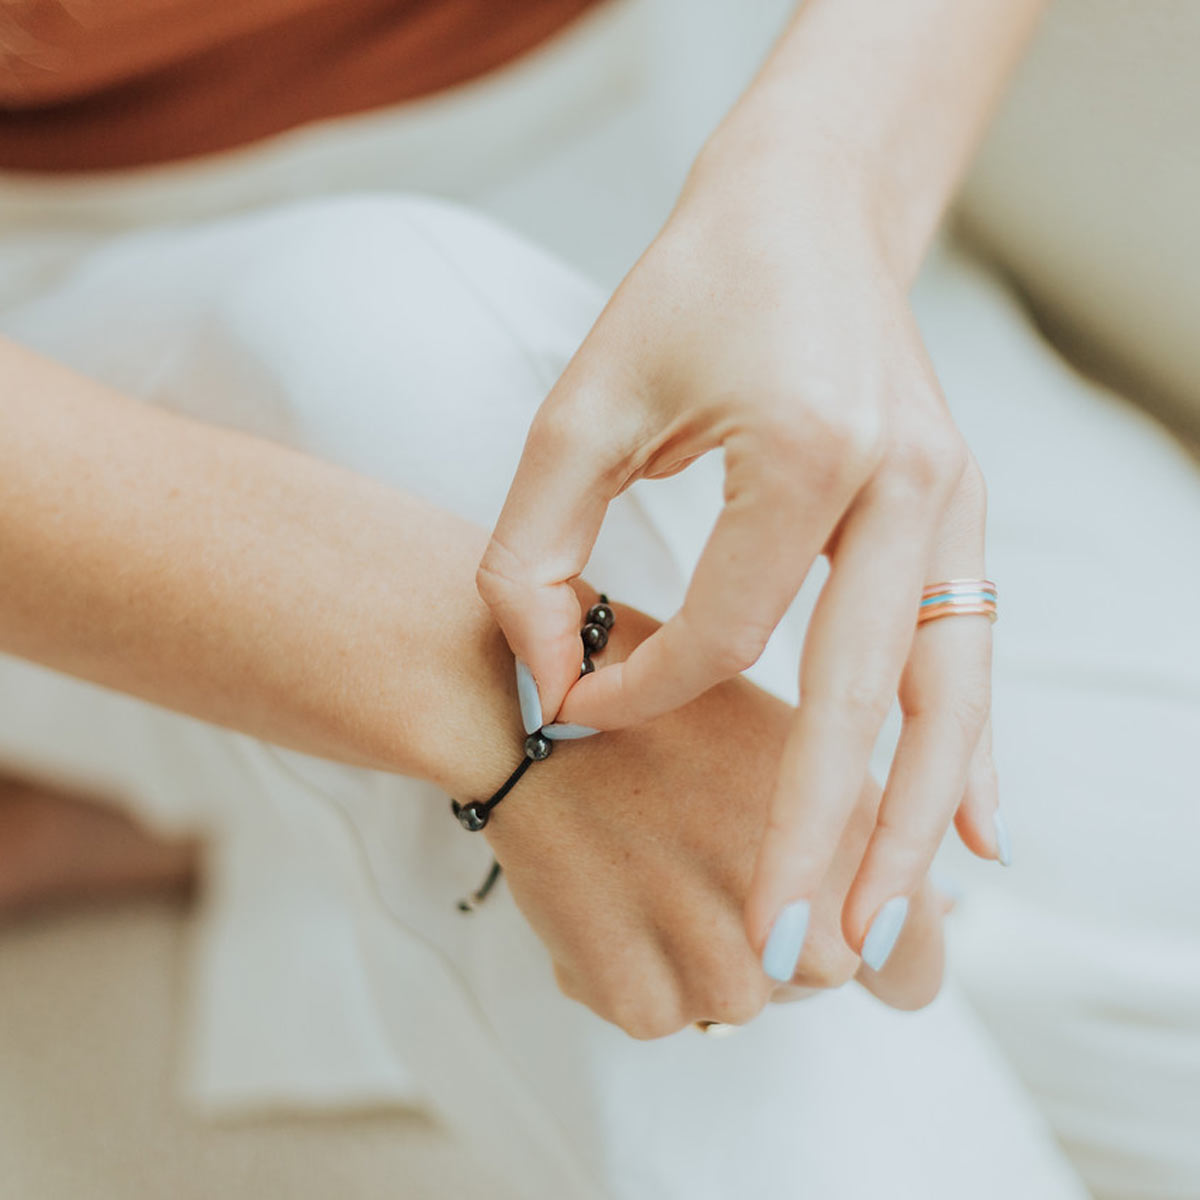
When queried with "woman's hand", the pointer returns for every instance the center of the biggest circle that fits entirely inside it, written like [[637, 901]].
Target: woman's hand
[[786, 341], [631, 855], [770, 319]]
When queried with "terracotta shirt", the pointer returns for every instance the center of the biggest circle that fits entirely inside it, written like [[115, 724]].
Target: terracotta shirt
[[105, 84]]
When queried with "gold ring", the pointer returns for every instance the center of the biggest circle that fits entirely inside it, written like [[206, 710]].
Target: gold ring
[[715, 1029]]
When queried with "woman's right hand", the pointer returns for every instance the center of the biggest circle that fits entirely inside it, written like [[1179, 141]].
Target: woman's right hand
[[631, 855]]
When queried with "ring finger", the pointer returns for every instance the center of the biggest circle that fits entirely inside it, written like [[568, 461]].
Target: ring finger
[[945, 698]]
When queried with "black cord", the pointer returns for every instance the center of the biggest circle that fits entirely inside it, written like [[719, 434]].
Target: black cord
[[468, 904], [474, 816]]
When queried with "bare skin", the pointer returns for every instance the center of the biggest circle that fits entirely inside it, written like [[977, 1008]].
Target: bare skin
[[629, 854], [632, 854], [107, 508]]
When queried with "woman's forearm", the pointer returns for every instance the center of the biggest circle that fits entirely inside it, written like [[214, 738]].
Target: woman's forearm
[[877, 105], [249, 585], [243, 583]]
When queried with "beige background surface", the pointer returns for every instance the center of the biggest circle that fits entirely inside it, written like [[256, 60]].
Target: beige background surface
[[88, 1110], [1088, 192]]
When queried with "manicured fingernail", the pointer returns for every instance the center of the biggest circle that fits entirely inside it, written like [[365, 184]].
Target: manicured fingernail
[[884, 931], [1003, 843], [567, 732], [785, 941], [529, 699]]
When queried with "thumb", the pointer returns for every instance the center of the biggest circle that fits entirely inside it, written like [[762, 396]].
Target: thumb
[[540, 545]]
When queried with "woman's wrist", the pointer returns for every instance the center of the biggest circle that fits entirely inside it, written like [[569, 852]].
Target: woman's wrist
[[865, 116], [466, 734], [553, 783], [243, 583], [811, 183], [469, 739]]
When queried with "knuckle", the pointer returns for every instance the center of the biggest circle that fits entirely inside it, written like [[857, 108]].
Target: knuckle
[[852, 437], [734, 1001], [862, 700], [649, 1022], [830, 964], [739, 649], [494, 577], [903, 853], [824, 434], [971, 709], [645, 1014], [581, 429], [927, 459], [954, 710], [784, 826], [775, 423], [554, 430]]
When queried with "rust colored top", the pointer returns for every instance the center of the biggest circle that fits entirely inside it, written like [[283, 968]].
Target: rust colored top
[[106, 84]]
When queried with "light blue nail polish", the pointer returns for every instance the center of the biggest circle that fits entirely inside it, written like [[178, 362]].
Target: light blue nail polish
[[529, 699], [884, 932], [567, 732], [785, 941], [1003, 844]]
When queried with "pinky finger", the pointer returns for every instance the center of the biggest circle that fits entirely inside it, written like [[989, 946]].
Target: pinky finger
[[979, 821]]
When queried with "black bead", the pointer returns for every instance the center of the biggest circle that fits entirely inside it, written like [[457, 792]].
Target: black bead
[[538, 747], [595, 637], [587, 668], [601, 614], [472, 817]]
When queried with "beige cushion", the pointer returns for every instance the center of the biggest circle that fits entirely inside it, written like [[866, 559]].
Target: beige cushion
[[1088, 191]]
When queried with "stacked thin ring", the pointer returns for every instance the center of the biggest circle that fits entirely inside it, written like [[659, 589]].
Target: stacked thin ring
[[958, 598]]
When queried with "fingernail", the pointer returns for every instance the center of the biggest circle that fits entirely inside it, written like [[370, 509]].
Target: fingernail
[[785, 941], [885, 929], [1003, 843], [567, 732], [529, 699]]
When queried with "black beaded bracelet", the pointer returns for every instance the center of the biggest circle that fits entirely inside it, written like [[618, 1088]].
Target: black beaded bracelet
[[475, 814]]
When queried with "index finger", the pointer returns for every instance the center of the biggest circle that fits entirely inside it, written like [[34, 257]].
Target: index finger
[[776, 520]]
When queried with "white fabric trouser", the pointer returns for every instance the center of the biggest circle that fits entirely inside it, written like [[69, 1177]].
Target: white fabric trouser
[[413, 342]]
